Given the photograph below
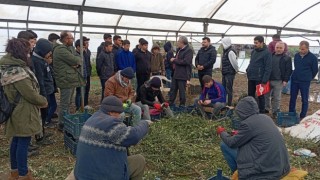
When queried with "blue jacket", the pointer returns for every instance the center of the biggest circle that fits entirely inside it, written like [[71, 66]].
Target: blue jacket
[[216, 93], [101, 150], [125, 59], [305, 68]]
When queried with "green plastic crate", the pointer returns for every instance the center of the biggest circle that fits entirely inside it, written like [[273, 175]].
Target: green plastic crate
[[74, 122]]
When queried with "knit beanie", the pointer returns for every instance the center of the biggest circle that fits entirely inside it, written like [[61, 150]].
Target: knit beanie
[[127, 72], [43, 47], [111, 104], [155, 82]]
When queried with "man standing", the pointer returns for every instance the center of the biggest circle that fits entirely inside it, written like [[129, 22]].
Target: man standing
[[143, 63], [168, 65], [105, 65], [182, 70], [157, 64], [212, 95], [86, 58], [258, 150], [117, 43], [125, 58], [205, 59], [107, 38], [280, 75], [229, 67], [259, 69], [66, 67], [272, 44], [306, 68]]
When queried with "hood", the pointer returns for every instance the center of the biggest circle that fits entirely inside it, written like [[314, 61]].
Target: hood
[[155, 46], [11, 61], [247, 107], [43, 47], [167, 46], [226, 42]]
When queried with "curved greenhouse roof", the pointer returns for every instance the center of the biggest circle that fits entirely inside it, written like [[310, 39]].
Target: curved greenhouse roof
[[166, 19]]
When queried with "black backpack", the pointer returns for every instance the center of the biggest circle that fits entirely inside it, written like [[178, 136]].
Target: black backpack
[[6, 108]]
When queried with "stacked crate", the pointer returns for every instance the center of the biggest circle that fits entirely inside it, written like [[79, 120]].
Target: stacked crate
[[72, 129]]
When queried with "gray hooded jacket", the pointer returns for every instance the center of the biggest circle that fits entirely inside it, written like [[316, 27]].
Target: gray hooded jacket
[[262, 153]]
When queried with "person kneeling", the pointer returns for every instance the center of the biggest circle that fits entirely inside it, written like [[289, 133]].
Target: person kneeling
[[146, 97], [101, 150], [258, 150], [216, 97]]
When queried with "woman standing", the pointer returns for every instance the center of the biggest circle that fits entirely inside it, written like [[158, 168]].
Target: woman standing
[[17, 78]]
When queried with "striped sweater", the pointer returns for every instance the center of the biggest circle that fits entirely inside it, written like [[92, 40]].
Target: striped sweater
[[101, 150]]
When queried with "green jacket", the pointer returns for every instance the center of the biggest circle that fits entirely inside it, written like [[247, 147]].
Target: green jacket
[[25, 120], [65, 74]]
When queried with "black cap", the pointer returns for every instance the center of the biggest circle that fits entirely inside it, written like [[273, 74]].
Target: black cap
[[127, 72], [155, 82], [111, 104]]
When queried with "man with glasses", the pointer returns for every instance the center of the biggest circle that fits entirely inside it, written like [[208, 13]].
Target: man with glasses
[[182, 71], [67, 71]]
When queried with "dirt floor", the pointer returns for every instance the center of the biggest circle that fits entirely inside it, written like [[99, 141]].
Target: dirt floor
[[55, 162]]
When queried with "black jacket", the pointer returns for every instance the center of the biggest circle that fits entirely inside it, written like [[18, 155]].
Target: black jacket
[[183, 64], [285, 66], [169, 54], [143, 62], [206, 57], [43, 73], [87, 56], [147, 95], [262, 153], [260, 65], [105, 64], [99, 49]]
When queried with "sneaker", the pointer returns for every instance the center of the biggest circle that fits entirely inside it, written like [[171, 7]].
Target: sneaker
[[32, 147], [33, 153], [49, 125]]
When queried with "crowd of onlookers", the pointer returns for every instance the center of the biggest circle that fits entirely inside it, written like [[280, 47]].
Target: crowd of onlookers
[[37, 69]]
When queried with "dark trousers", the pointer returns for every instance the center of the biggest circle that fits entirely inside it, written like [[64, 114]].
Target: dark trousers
[[252, 92], [19, 154], [86, 92], [181, 86], [78, 98], [303, 87], [103, 83], [201, 74], [227, 82], [52, 106], [141, 78]]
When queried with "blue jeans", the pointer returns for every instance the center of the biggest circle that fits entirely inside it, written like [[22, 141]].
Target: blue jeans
[[78, 98], [19, 154], [168, 76], [230, 155], [52, 106], [303, 87]]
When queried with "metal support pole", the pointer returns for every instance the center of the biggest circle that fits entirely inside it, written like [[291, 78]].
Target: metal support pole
[[176, 36], [80, 16], [205, 28], [8, 30]]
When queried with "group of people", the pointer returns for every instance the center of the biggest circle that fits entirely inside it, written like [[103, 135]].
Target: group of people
[[37, 68]]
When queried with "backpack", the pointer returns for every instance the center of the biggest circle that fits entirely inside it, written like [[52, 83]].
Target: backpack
[[6, 108]]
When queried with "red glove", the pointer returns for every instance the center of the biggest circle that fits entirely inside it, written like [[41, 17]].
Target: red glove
[[220, 129], [157, 106], [234, 132], [165, 104]]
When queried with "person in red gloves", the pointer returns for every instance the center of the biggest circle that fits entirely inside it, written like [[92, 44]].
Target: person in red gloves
[[258, 150], [146, 98]]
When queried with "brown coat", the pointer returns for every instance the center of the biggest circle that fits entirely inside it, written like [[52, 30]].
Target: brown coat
[[113, 87]]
